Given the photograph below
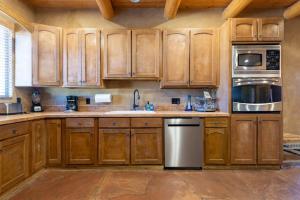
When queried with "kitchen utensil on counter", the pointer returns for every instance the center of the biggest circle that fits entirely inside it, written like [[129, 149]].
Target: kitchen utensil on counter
[[36, 101], [72, 103]]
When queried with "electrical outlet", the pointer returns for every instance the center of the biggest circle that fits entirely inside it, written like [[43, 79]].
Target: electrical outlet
[[176, 101], [88, 101]]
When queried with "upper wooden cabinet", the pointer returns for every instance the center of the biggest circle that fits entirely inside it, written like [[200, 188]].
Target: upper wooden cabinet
[[46, 55], [176, 47], [82, 57], [269, 139], [270, 29], [116, 48], [38, 142], [253, 29], [146, 53], [204, 57]]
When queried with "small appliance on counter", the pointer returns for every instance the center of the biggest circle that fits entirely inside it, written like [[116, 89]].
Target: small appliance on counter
[[36, 101], [72, 104], [11, 108], [206, 102]]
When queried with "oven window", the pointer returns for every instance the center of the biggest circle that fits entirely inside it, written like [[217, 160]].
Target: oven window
[[256, 94], [250, 59]]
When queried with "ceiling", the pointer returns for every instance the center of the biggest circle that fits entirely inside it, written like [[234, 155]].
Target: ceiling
[[154, 3]]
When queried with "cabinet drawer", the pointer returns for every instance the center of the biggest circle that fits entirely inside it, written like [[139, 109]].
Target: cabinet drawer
[[80, 122], [216, 122], [146, 122], [11, 130], [114, 122]]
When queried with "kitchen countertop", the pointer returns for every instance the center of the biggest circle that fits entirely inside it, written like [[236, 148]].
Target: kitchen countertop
[[33, 116]]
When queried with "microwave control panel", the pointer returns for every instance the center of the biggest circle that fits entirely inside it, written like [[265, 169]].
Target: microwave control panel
[[273, 60]]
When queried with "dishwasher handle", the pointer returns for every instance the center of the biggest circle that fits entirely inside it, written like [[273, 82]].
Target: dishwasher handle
[[174, 125]]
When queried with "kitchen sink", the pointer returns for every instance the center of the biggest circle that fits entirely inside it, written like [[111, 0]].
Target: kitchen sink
[[130, 112]]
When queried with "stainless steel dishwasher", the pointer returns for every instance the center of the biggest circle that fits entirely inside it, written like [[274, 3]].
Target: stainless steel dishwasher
[[183, 143]]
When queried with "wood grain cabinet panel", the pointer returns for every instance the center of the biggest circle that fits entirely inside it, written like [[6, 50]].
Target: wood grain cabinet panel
[[146, 122], [204, 57], [244, 139], [54, 131], [116, 48], [146, 146], [80, 146], [270, 139], [38, 142], [82, 57], [14, 161], [114, 146], [244, 29], [46, 55], [146, 49], [270, 29], [176, 58], [216, 145], [114, 122]]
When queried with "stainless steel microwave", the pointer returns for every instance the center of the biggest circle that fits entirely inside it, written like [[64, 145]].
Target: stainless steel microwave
[[256, 61]]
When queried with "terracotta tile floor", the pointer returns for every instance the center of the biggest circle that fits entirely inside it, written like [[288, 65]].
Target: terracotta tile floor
[[97, 184]]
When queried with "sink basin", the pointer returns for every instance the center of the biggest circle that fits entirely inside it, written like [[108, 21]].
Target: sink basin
[[130, 112]]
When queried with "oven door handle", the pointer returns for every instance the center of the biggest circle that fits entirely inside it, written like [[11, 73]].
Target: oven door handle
[[256, 82]]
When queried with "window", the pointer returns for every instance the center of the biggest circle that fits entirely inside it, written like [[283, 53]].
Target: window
[[6, 66]]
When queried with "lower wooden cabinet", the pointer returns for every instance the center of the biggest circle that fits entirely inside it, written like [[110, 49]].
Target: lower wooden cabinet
[[256, 139], [54, 131], [14, 161], [114, 146], [269, 140], [146, 146], [38, 145], [80, 146]]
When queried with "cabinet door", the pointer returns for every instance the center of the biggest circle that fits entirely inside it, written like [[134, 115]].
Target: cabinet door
[[116, 47], [243, 139], [204, 57], [146, 146], [270, 139], [270, 29], [146, 49], [90, 57], [176, 58], [72, 58], [80, 146], [114, 146], [46, 55], [53, 127], [38, 143], [216, 145], [244, 29], [14, 161]]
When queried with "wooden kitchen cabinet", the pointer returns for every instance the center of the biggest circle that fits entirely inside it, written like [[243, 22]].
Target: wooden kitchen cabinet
[[82, 57], [46, 55], [216, 141], [146, 146], [243, 29], [269, 139], [176, 58], [146, 53], [14, 161], [116, 53], [114, 146], [270, 29], [204, 57], [54, 131], [243, 139], [38, 145]]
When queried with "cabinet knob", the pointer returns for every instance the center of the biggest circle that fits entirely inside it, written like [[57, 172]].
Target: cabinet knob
[[14, 131], [146, 123], [114, 123]]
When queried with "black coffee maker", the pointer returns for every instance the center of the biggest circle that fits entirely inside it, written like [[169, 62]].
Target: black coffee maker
[[72, 103]]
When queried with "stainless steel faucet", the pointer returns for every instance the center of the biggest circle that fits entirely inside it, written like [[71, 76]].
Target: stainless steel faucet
[[136, 101]]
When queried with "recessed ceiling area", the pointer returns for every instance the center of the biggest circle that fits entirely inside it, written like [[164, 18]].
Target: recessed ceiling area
[[79, 4]]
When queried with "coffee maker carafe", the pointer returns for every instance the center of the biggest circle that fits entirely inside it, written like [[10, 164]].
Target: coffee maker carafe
[[72, 103]]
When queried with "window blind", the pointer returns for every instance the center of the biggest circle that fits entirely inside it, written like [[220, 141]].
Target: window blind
[[6, 66]]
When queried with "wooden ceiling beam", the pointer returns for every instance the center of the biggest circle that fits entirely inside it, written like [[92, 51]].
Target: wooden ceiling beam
[[106, 8], [171, 8], [292, 11], [235, 8]]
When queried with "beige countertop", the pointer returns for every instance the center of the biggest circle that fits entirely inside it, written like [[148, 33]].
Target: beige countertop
[[33, 116]]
